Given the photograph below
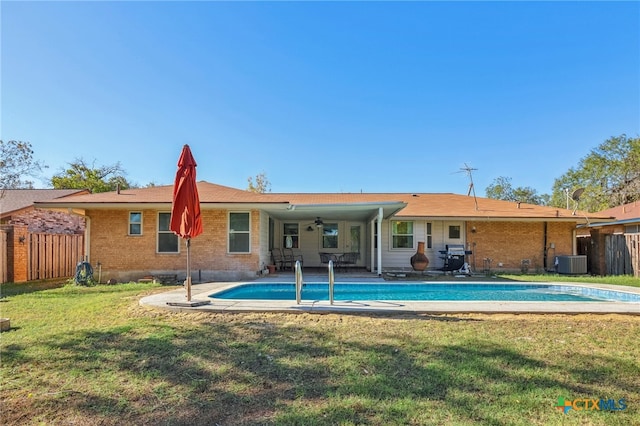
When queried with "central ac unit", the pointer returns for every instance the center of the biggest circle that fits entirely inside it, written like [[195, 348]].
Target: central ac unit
[[572, 264]]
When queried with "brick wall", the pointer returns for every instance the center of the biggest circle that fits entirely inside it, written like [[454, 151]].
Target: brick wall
[[49, 222], [17, 253], [124, 257], [508, 243], [130, 257]]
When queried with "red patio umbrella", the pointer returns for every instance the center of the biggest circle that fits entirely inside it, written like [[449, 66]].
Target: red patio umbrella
[[186, 221]]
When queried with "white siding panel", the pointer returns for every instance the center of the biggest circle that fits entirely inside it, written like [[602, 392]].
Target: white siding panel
[[401, 259]]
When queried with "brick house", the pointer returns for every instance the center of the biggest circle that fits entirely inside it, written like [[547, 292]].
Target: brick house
[[19, 220], [16, 208], [128, 235]]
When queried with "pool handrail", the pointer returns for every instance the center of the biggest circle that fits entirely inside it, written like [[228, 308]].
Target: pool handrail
[[298, 270], [331, 281]]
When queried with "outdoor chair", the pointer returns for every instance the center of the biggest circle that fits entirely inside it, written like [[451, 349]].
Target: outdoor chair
[[279, 260], [326, 257], [291, 257], [349, 259]]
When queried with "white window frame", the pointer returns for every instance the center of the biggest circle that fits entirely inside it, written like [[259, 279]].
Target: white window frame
[[134, 223], [164, 232], [392, 235], [336, 236], [295, 238], [231, 231]]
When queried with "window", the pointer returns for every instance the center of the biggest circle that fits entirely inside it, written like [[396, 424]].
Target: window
[[135, 223], [290, 235], [429, 237], [355, 238], [239, 232], [402, 234], [454, 232], [330, 235], [167, 240], [632, 229]]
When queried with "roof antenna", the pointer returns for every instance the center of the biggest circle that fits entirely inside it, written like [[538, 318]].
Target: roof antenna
[[472, 188]]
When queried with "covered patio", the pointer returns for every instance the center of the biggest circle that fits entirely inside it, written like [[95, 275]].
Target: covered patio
[[340, 231]]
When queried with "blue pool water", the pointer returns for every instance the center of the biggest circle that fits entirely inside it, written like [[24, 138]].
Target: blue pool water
[[427, 291]]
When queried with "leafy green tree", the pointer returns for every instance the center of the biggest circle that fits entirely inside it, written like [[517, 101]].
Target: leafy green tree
[[16, 162], [261, 184], [502, 189], [80, 175], [609, 174]]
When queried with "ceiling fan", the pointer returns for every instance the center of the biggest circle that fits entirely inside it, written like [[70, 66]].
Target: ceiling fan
[[318, 223]]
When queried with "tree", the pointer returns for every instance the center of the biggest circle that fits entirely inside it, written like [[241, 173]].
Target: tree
[[80, 175], [501, 189], [261, 185], [609, 174], [16, 162]]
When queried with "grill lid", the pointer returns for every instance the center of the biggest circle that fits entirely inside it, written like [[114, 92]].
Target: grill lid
[[455, 249]]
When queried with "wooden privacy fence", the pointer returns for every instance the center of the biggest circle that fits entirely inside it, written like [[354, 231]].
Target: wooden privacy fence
[[622, 254], [53, 255]]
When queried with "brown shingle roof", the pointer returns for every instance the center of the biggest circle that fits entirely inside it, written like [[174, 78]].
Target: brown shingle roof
[[627, 211], [18, 199], [418, 205], [208, 192], [444, 205]]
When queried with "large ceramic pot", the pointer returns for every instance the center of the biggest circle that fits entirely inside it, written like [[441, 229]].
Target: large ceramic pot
[[419, 261]]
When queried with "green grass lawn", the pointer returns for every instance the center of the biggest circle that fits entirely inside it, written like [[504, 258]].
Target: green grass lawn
[[626, 280], [92, 355]]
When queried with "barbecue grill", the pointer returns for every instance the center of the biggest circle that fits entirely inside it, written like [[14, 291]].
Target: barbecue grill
[[454, 258]]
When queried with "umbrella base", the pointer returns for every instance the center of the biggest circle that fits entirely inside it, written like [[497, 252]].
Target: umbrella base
[[191, 304]]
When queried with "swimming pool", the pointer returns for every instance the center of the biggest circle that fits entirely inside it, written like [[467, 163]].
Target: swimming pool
[[526, 292]]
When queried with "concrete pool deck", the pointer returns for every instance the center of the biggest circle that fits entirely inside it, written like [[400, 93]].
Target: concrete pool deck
[[175, 300]]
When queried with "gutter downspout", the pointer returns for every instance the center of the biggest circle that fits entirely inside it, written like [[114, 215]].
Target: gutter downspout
[[544, 248], [87, 238]]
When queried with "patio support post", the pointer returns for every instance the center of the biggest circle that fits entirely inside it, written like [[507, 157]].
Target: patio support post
[[373, 246], [379, 225]]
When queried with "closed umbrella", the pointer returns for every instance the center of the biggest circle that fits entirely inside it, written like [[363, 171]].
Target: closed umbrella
[[186, 221]]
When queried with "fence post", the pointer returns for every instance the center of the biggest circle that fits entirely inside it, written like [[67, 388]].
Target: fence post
[[17, 254], [3, 256]]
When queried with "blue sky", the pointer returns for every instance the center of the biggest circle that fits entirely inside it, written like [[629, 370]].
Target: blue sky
[[322, 96]]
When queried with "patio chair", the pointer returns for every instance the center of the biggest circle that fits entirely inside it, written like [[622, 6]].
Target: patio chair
[[326, 257], [291, 257], [347, 259], [279, 260]]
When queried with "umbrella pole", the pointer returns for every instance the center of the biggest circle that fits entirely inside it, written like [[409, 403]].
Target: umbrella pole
[[188, 269]]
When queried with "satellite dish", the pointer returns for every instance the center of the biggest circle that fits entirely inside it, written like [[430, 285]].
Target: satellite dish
[[576, 194], [576, 197]]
